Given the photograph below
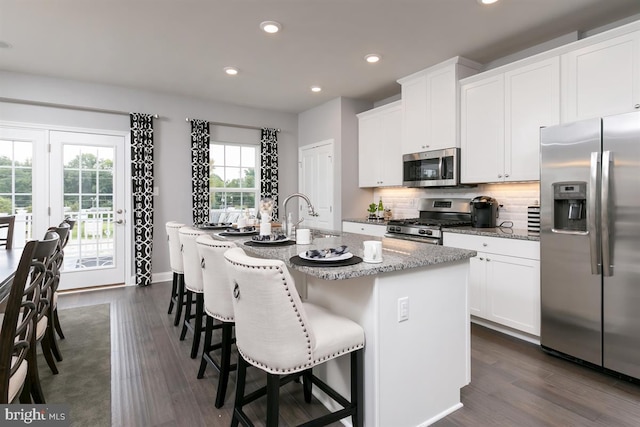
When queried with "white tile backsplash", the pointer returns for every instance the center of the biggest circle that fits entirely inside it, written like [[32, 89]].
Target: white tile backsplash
[[513, 198]]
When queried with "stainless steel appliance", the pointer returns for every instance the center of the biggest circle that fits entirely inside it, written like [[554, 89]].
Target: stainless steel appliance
[[590, 241], [484, 212], [435, 214], [438, 168]]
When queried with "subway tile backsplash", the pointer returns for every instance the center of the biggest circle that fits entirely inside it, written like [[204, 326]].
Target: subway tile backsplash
[[513, 198]]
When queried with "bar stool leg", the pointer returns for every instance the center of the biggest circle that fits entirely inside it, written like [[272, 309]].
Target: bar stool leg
[[187, 314], [273, 399], [174, 292], [197, 326]]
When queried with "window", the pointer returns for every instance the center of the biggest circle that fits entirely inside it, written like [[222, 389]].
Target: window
[[15, 176], [233, 180]]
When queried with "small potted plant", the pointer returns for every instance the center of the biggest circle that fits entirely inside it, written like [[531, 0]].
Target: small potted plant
[[373, 210]]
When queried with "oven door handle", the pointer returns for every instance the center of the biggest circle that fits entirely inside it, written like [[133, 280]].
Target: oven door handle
[[440, 167], [427, 240]]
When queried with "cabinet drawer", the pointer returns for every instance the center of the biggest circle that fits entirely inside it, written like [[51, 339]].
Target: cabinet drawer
[[377, 230], [495, 245]]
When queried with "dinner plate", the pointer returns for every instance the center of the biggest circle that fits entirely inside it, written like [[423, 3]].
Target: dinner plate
[[269, 242], [238, 233], [342, 257], [213, 226]]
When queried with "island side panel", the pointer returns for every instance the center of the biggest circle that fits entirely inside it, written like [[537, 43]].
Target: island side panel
[[413, 369]]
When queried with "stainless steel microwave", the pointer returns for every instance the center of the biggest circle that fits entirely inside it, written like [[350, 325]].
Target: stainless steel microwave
[[438, 168]]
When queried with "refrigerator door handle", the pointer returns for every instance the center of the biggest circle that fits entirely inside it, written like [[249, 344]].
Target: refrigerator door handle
[[592, 213], [607, 266]]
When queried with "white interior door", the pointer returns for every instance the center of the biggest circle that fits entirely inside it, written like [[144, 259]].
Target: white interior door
[[87, 179], [316, 181]]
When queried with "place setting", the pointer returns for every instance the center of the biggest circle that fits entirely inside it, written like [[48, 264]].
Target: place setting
[[214, 226], [329, 257], [275, 239]]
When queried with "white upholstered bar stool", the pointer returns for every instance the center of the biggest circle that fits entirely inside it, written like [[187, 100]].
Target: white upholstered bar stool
[[217, 306], [192, 286], [284, 337], [177, 267]]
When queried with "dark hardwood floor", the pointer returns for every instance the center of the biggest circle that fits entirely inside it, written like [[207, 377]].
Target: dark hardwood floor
[[513, 382]]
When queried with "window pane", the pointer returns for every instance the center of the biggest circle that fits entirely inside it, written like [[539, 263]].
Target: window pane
[[105, 202], [23, 180], [71, 156], [249, 199], [217, 177], [23, 153], [5, 180], [216, 154], [71, 181], [249, 156], [234, 200], [105, 181], [71, 203], [88, 181], [248, 178], [5, 205], [232, 177], [87, 202], [217, 200], [23, 202], [6, 152], [232, 157]]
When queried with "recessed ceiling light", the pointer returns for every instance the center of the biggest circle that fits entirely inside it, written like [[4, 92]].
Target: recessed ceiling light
[[487, 1], [232, 71], [270, 27], [4, 45], [372, 58], [316, 88]]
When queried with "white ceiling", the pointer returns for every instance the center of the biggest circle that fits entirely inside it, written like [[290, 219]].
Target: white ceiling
[[181, 46]]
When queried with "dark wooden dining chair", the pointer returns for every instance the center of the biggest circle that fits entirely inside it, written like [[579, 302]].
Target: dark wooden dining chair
[[17, 327], [7, 222]]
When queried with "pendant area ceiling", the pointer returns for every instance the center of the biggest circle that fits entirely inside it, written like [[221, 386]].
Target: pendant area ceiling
[[182, 47]]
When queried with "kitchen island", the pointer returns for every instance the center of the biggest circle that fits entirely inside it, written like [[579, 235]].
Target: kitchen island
[[414, 368]]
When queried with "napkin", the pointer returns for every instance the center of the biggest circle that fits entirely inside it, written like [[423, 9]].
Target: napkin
[[328, 252], [238, 230]]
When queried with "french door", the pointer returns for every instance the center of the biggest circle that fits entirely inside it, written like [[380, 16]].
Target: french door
[[87, 183], [49, 175]]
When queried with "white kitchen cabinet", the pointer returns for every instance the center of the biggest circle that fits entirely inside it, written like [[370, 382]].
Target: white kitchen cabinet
[[504, 280], [379, 154], [430, 106], [377, 230], [601, 79], [501, 116]]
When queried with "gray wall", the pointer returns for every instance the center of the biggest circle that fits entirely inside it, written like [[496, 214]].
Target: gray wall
[[171, 133]]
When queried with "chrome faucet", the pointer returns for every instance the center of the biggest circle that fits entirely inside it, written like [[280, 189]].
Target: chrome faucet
[[312, 211]]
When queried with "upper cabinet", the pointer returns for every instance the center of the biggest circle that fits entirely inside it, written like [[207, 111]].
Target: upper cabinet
[[601, 79], [379, 155], [501, 115], [430, 106]]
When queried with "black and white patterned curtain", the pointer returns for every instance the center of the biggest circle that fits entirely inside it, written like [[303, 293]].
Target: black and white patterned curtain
[[200, 170], [142, 180], [269, 167]]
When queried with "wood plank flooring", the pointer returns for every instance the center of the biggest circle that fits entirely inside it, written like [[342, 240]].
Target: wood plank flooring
[[513, 382]]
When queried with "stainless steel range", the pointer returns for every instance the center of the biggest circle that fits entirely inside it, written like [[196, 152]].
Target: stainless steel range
[[435, 214]]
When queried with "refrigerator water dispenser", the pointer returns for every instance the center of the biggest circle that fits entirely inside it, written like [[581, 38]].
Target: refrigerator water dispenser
[[570, 206]]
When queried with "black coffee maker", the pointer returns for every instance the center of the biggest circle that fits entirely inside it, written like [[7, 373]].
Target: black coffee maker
[[484, 212]]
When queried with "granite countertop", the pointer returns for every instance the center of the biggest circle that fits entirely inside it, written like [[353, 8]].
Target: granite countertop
[[506, 233], [366, 221], [397, 255]]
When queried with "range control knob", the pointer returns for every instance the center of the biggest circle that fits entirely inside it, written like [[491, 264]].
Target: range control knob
[[422, 231]]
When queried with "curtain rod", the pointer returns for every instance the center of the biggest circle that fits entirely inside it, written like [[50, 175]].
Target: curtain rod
[[67, 106], [233, 125]]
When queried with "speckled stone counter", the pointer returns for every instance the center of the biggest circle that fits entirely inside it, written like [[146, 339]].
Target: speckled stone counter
[[397, 255], [506, 233], [365, 221]]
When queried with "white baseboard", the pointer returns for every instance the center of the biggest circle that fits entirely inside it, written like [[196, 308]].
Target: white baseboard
[[162, 277], [506, 330], [441, 415]]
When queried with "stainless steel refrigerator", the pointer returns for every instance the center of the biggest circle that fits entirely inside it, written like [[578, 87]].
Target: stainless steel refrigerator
[[590, 241]]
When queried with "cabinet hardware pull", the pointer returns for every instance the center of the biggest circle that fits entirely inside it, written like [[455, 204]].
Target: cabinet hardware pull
[[484, 244], [499, 176], [637, 106], [481, 259], [506, 175], [488, 260]]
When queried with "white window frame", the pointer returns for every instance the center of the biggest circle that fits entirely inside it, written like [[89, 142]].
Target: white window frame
[[255, 191]]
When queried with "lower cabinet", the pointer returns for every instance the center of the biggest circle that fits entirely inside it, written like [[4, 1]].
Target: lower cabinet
[[504, 280], [377, 230]]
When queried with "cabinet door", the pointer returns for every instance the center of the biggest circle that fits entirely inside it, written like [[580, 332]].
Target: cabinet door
[[414, 113], [378, 230], [390, 151], [602, 79], [482, 131], [368, 156], [513, 292], [477, 277], [532, 100], [440, 119]]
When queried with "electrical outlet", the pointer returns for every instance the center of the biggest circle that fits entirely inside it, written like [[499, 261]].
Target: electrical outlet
[[403, 309]]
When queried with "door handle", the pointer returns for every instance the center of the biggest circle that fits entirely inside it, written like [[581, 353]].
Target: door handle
[[592, 212], [118, 221], [607, 266]]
